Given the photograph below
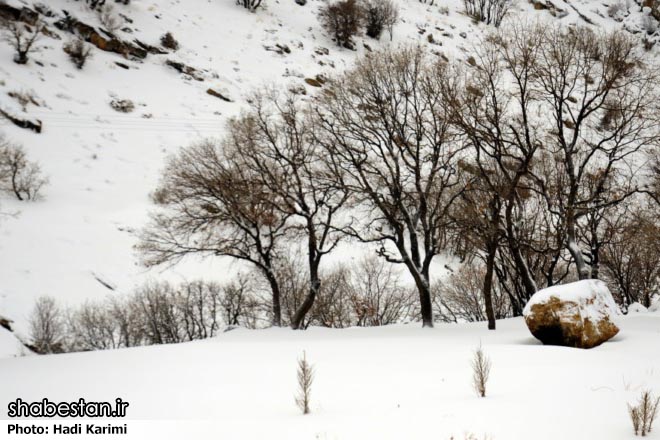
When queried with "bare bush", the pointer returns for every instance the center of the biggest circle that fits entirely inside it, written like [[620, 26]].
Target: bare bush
[[487, 11], [379, 15], [122, 105], [342, 20], [459, 298], [109, 19], [239, 304], [250, 5], [47, 330], [377, 295], [160, 313], [93, 4], [18, 175], [333, 307], [78, 52], [22, 38], [480, 371], [644, 413], [92, 327], [169, 42], [305, 379], [617, 10]]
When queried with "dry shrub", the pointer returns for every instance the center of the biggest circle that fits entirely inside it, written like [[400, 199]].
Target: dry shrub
[[481, 371], [379, 15], [122, 105], [459, 298], [169, 42], [487, 11], [644, 413], [342, 19], [305, 379], [78, 52]]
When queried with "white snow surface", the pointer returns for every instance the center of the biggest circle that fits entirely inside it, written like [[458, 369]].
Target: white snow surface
[[394, 382], [10, 346], [637, 308], [592, 299]]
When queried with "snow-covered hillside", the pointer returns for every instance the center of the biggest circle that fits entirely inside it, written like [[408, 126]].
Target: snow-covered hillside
[[391, 382], [102, 165]]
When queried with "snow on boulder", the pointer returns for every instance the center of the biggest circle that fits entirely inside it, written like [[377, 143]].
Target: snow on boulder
[[576, 314]]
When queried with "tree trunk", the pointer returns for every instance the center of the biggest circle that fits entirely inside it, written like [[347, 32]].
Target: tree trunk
[[491, 249], [275, 290], [574, 249], [514, 245], [426, 306], [314, 260], [306, 306]]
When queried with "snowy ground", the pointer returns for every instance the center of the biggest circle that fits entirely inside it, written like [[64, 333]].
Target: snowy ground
[[394, 382]]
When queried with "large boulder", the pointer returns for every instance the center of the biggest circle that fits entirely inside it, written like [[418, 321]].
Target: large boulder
[[577, 314]]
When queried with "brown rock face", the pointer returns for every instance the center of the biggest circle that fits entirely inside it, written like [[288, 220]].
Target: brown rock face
[[557, 322]]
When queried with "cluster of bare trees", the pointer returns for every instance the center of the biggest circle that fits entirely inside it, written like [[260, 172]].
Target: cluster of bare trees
[[521, 162], [157, 313], [487, 11], [344, 19], [368, 294]]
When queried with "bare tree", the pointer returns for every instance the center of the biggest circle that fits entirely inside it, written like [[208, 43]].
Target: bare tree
[[388, 141], [78, 52], [629, 257], [379, 15], [22, 38], [18, 175], [278, 143], [47, 331], [342, 19], [333, 307], [377, 294], [487, 11], [599, 94], [239, 304], [459, 298], [497, 123], [92, 327], [214, 204]]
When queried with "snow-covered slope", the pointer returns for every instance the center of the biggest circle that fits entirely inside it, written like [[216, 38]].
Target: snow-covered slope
[[395, 382], [102, 164], [10, 345]]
